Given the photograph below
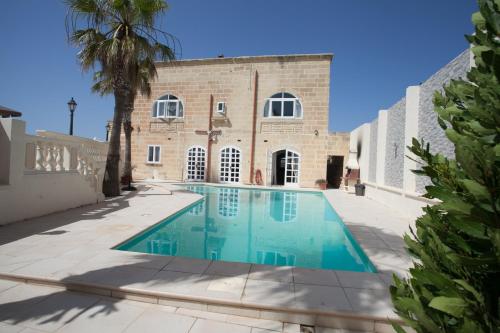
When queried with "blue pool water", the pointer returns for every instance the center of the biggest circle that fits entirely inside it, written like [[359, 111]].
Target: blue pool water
[[272, 227]]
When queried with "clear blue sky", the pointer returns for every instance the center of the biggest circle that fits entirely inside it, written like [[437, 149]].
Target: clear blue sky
[[380, 48]]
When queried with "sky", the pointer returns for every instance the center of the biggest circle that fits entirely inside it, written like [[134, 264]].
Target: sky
[[380, 47]]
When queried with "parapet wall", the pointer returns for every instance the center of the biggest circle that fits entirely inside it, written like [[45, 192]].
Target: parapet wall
[[47, 172], [381, 145]]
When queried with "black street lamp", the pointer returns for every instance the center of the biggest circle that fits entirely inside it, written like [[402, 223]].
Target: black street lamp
[[72, 107], [108, 129]]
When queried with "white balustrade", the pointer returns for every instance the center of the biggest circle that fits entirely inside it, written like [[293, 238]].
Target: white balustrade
[[53, 152]]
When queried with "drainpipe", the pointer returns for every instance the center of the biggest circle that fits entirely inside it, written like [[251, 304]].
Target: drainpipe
[[254, 124], [209, 144]]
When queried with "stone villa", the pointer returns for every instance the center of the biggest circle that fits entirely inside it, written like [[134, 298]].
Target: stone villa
[[248, 120]]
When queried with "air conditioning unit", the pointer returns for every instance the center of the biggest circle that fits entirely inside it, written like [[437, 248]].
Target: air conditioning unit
[[221, 108]]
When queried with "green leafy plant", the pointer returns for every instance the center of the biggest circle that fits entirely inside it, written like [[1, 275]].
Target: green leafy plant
[[455, 283]]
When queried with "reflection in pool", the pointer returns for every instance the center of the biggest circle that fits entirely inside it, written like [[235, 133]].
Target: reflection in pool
[[272, 227]]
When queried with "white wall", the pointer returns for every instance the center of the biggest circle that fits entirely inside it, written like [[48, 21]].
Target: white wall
[[414, 118], [48, 172]]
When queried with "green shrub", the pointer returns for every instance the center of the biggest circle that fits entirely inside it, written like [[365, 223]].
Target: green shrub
[[455, 283]]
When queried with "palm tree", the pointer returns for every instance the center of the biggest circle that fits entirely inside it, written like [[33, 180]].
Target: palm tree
[[140, 84], [117, 36]]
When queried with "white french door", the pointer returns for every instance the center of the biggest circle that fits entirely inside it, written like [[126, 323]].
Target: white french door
[[195, 163], [292, 164], [230, 165]]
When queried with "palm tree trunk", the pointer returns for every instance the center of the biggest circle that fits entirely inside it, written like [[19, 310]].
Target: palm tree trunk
[[127, 165], [111, 183]]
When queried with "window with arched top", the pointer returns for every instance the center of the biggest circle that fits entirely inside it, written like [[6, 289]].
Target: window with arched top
[[168, 106], [283, 105]]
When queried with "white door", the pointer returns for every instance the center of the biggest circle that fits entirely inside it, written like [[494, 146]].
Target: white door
[[230, 165], [292, 164], [196, 157]]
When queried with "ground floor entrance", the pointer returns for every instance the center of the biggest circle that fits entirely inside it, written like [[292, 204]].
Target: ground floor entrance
[[285, 167], [334, 171]]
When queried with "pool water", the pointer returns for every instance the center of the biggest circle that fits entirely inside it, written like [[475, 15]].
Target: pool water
[[272, 227]]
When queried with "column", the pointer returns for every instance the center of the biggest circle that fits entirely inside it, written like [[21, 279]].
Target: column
[[411, 131]]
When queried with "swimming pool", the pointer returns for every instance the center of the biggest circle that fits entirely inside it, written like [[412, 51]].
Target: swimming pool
[[272, 227]]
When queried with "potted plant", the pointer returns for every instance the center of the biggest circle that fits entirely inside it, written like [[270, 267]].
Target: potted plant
[[322, 184]]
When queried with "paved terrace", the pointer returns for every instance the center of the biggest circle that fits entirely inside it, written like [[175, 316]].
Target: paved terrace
[[72, 250]]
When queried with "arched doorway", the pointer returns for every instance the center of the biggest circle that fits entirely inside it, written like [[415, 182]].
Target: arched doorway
[[196, 163], [230, 159], [285, 170]]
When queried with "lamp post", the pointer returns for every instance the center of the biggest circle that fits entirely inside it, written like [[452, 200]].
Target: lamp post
[[72, 107], [108, 129]]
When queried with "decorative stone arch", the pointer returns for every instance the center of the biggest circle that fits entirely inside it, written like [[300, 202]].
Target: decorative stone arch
[[284, 166], [288, 96], [165, 103], [230, 158]]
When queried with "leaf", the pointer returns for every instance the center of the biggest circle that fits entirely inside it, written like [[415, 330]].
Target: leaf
[[451, 305]]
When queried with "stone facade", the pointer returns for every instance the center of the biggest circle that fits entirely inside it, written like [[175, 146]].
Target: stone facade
[[395, 144], [201, 84], [429, 129]]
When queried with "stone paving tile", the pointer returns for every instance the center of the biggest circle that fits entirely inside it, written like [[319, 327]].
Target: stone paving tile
[[180, 282], [321, 298], [228, 268], [46, 267], [204, 326], [187, 265], [315, 276], [268, 292], [133, 277], [6, 284], [105, 316], [55, 311], [291, 328], [272, 325], [262, 330], [151, 321], [21, 298], [6, 328], [225, 287], [282, 274], [360, 280], [371, 301]]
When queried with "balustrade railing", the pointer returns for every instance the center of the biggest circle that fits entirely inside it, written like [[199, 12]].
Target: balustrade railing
[[49, 152]]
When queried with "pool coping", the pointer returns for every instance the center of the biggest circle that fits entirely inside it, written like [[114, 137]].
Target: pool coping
[[332, 319], [329, 318]]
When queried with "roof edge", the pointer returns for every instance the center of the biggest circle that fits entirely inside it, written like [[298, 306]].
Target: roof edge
[[248, 59]]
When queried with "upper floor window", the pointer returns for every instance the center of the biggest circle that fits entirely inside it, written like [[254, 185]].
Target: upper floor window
[[168, 106], [283, 105]]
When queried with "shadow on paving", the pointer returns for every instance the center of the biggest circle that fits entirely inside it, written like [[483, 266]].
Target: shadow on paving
[[41, 225], [59, 308]]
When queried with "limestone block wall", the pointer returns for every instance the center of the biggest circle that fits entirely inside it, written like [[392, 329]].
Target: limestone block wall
[[200, 84], [390, 179]]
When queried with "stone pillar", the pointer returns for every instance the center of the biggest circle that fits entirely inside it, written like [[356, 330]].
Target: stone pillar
[[411, 131], [381, 146], [364, 158]]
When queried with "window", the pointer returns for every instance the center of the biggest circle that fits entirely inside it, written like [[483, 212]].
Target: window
[[221, 107], [154, 154], [283, 105], [168, 106]]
